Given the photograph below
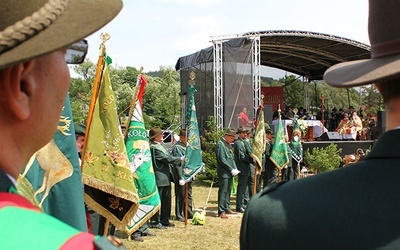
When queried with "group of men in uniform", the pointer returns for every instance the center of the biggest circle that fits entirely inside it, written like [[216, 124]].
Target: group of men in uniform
[[167, 165], [234, 159]]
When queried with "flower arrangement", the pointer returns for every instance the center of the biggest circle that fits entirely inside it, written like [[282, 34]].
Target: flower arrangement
[[303, 125]]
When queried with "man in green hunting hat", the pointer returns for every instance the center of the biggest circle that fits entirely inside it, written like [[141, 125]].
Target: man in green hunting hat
[[163, 164], [226, 169], [243, 160], [37, 40], [269, 172]]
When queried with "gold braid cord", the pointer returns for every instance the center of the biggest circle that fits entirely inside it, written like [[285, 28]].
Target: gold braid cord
[[31, 25]]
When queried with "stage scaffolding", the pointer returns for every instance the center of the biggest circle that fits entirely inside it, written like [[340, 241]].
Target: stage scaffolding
[[228, 73]]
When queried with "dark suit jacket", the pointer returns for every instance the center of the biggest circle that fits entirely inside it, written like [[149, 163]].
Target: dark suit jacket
[[225, 161], [179, 149], [162, 164], [355, 207], [242, 156], [266, 156]]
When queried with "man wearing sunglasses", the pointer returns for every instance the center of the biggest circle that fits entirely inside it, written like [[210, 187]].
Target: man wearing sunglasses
[[37, 40]]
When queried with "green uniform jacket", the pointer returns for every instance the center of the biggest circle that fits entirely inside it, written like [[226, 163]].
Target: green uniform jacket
[[225, 160], [179, 149], [163, 162], [242, 156], [267, 154], [355, 207]]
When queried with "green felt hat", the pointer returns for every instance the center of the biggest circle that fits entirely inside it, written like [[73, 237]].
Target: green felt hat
[[80, 129]]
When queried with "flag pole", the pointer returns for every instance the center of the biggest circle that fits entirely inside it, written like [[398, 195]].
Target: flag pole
[[279, 118], [95, 92], [104, 37], [134, 99], [258, 168], [255, 179], [186, 202]]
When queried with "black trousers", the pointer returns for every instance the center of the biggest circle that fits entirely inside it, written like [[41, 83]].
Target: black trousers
[[224, 194], [165, 197]]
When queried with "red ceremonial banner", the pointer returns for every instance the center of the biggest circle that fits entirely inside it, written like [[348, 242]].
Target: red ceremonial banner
[[273, 96]]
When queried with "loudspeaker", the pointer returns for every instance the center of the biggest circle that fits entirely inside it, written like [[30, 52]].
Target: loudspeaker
[[381, 115], [376, 132], [330, 136]]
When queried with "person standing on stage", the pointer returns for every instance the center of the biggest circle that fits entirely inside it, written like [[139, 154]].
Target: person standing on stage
[[244, 118]]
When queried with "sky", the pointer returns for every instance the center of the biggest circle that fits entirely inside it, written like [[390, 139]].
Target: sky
[[154, 33]]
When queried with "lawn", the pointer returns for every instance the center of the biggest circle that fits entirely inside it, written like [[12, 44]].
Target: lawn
[[217, 233]]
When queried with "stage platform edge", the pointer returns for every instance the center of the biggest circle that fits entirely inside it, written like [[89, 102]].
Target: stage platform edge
[[348, 147]]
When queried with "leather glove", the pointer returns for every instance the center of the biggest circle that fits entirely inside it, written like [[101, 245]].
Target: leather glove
[[182, 182]]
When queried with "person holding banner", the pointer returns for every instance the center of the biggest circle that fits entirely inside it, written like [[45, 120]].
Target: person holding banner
[[243, 161], [179, 150], [270, 173]]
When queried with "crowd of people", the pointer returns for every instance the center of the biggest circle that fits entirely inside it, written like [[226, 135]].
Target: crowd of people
[[339, 209], [350, 208], [355, 123], [234, 159]]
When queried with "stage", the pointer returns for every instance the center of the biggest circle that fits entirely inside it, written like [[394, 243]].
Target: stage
[[348, 147]]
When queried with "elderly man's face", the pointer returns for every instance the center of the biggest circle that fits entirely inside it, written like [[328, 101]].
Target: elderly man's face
[[51, 76], [229, 138], [242, 135]]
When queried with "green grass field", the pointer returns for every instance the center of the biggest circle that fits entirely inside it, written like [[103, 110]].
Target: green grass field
[[217, 233]]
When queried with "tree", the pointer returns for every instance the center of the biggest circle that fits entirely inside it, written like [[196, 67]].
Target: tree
[[161, 102], [293, 91], [209, 141]]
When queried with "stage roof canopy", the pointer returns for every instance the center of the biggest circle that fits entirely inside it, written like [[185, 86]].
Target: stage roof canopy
[[304, 53]]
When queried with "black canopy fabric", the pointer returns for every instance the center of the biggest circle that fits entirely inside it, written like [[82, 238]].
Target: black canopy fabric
[[308, 54]]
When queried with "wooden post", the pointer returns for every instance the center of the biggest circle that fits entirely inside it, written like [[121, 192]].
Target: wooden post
[[255, 179], [185, 212], [310, 133]]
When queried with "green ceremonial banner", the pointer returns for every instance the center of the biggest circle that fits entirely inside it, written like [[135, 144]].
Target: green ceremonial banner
[[137, 145], [279, 154], [52, 179], [109, 188], [193, 162], [259, 140]]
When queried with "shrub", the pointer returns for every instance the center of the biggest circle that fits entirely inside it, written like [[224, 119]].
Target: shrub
[[209, 140], [323, 159]]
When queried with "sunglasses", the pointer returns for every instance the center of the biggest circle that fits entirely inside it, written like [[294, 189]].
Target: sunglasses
[[76, 52]]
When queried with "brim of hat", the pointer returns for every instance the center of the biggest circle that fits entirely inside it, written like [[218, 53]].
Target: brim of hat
[[79, 19], [363, 72], [154, 136]]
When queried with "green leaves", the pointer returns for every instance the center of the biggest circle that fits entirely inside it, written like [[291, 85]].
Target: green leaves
[[323, 159]]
